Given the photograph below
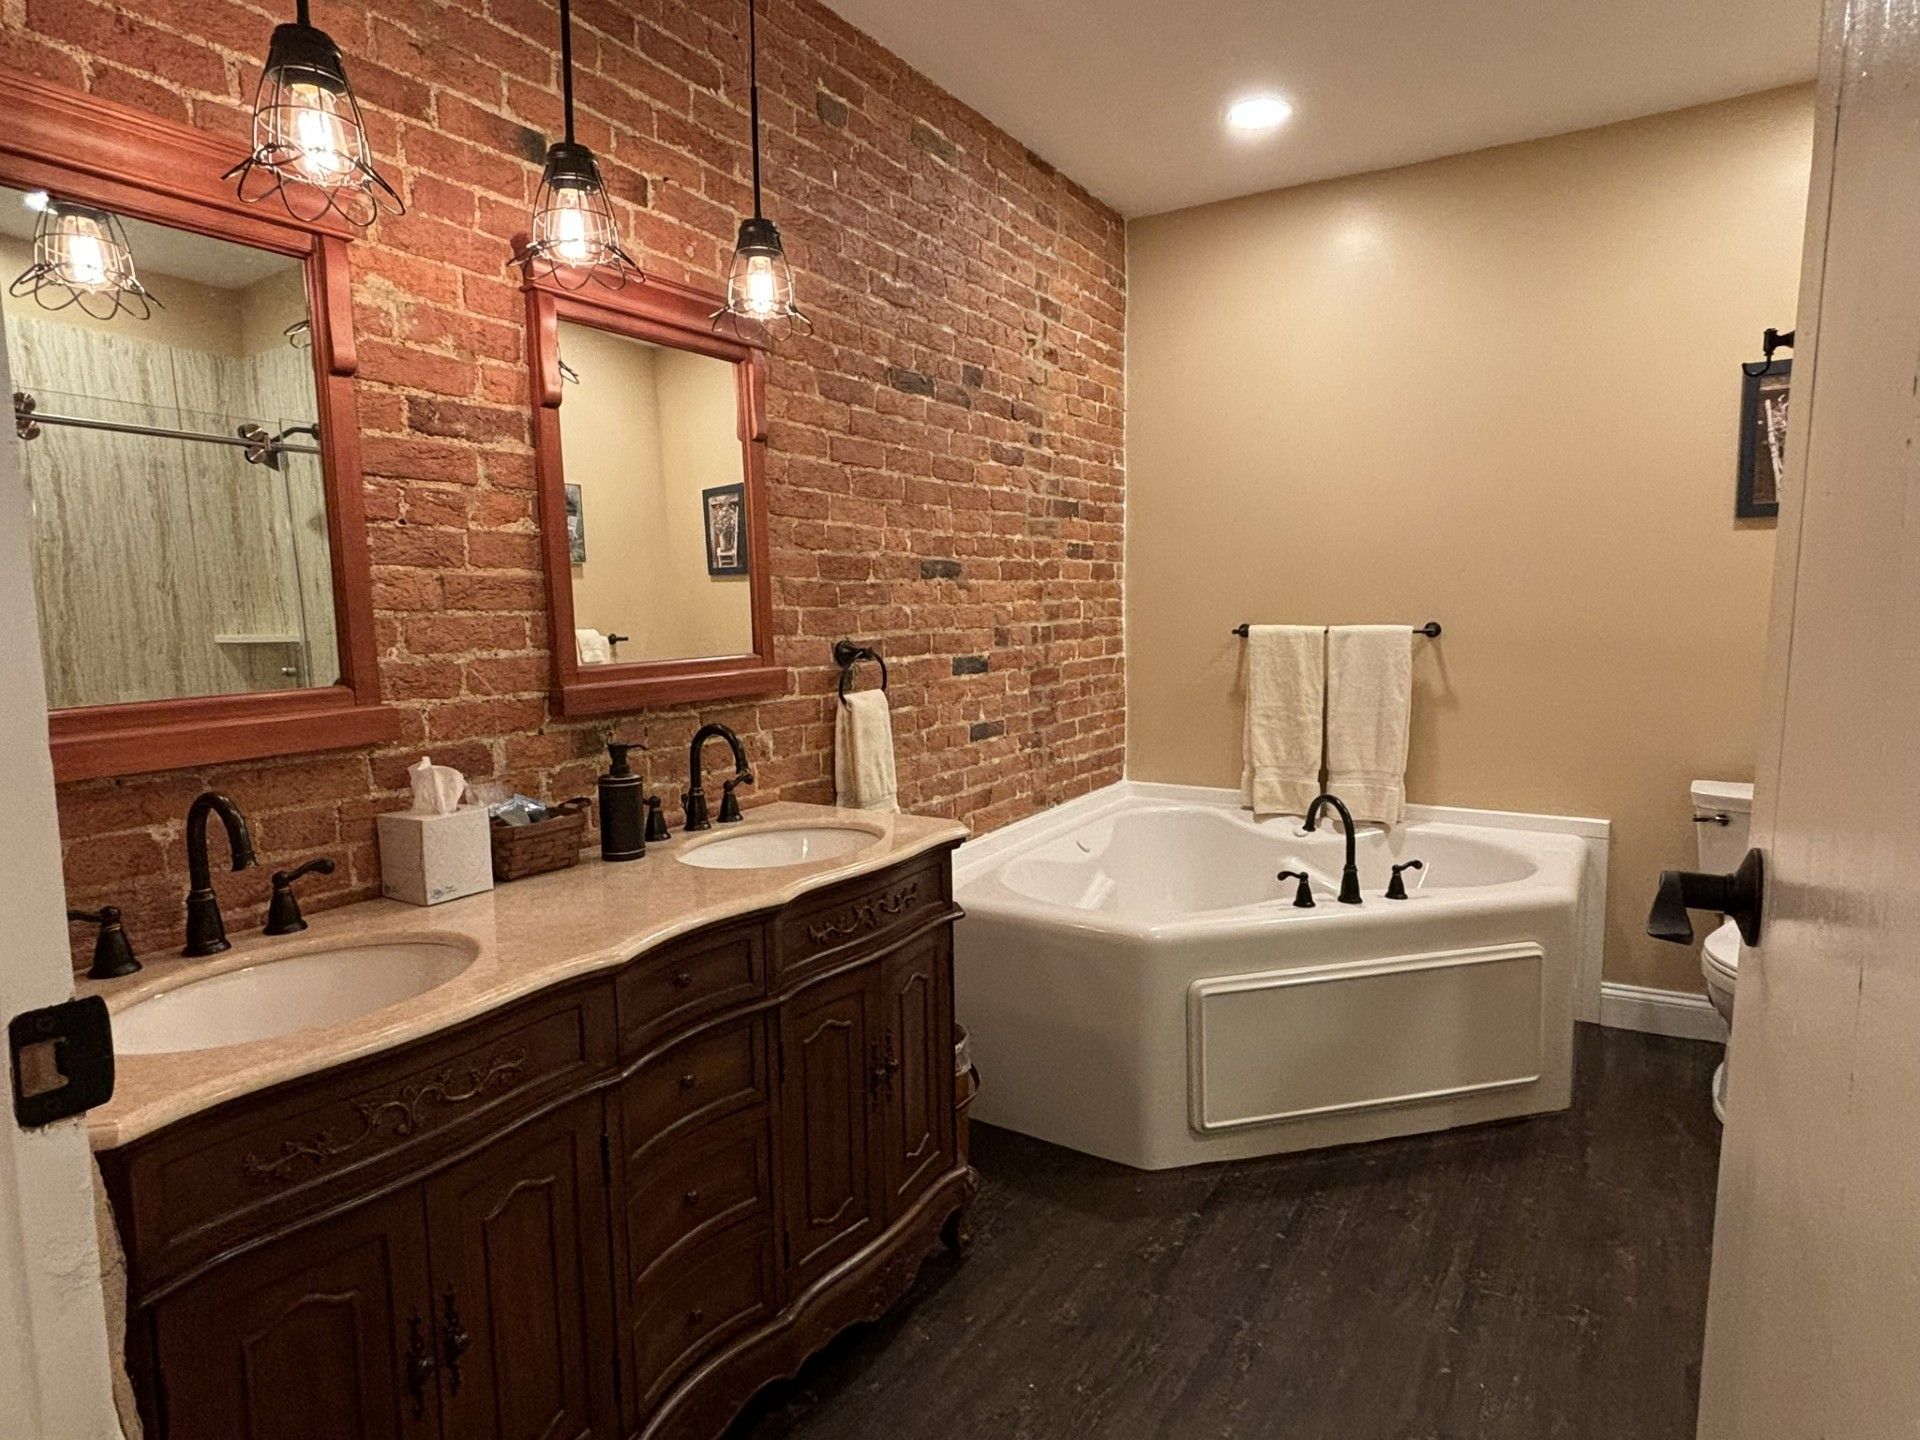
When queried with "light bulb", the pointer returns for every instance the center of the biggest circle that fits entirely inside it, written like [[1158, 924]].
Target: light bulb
[[82, 261], [569, 217], [763, 287], [320, 135]]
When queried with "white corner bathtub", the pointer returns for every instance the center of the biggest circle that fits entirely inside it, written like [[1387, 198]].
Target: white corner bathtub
[[1139, 986]]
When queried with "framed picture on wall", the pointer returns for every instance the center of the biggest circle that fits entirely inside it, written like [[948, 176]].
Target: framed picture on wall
[[1763, 440], [725, 509], [576, 527]]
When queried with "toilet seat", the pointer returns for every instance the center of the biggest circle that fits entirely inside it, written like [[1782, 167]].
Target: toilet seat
[[1720, 956]]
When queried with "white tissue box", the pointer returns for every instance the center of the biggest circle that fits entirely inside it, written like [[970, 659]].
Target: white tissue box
[[425, 859]]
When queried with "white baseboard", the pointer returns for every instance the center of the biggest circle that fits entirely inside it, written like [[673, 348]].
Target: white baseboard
[[1660, 1012]]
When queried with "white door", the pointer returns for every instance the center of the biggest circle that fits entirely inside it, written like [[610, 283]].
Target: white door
[[1813, 1322], [53, 1338]]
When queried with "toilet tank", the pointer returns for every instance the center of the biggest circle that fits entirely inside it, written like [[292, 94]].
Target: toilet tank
[[1722, 847]]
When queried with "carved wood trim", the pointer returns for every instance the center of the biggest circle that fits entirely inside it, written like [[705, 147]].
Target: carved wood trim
[[866, 915], [395, 1116], [861, 1289]]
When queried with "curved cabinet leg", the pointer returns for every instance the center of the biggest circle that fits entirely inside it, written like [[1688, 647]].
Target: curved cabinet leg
[[957, 1231]]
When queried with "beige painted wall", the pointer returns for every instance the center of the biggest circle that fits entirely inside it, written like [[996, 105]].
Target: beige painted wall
[[1499, 390], [642, 433]]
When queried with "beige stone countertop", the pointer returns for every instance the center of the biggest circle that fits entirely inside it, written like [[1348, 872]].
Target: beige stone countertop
[[526, 936]]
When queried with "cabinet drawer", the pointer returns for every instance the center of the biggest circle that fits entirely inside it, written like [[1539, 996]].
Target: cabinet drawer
[[263, 1163], [862, 914], [687, 980], [704, 1077], [698, 1299], [701, 1184]]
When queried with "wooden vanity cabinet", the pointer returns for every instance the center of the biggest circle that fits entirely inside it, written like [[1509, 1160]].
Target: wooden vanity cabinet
[[615, 1209]]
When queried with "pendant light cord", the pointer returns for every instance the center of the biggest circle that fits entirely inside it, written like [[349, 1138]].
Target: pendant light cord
[[300, 14], [753, 101], [566, 62]]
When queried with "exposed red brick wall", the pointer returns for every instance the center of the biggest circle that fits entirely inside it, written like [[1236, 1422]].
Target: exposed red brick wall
[[946, 465]]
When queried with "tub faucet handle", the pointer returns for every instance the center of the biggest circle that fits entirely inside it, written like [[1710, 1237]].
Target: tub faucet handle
[[1303, 895], [1397, 887]]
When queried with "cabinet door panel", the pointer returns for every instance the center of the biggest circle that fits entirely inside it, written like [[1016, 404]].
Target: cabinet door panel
[[518, 1244], [307, 1338], [826, 1102], [917, 1044]]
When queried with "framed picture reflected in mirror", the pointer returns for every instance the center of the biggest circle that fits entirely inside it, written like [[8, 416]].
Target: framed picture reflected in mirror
[[1763, 440], [725, 508]]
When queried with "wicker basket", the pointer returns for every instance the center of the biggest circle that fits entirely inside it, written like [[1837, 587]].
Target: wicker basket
[[549, 844]]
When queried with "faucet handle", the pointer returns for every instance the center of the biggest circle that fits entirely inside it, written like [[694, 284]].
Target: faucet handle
[[112, 951], [1397, 887], [283, 910], [656, 821], [1303, 894], [729, 802]]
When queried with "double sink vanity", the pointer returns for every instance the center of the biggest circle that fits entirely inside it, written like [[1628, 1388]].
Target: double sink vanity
[[597, 1153]]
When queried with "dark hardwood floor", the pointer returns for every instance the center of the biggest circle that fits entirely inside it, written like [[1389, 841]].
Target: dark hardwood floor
[[1522, 1281]]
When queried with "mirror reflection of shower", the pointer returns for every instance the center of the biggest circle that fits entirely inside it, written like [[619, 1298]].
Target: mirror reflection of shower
[[181, 538]]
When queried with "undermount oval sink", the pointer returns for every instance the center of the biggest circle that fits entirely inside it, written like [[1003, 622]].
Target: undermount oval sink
[[278, 997], [767, 849]]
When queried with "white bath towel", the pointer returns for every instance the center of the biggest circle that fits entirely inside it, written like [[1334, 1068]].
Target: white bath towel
[[1369, 704], [1284, 675], [591, 647], [863, 777]]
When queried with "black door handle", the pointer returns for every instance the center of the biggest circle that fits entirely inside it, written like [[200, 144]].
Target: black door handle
[[1737, 896]]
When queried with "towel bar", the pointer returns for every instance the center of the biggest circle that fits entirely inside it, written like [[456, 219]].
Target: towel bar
[[1431, 629]]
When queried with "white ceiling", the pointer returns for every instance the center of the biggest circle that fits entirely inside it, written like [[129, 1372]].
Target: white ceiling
[[162, 250], [1126, 96]]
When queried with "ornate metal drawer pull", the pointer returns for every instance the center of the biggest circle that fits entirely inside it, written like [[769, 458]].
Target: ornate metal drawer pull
[[865, 915], [395, 1116], [419, 1367], [454, 1339]]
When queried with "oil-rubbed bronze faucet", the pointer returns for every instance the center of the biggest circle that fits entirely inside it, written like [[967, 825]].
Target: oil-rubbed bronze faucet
[[206, 931], [1350, 875], [695, 800]]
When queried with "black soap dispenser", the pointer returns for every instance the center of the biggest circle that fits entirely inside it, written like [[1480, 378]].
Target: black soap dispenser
[[622, 810]]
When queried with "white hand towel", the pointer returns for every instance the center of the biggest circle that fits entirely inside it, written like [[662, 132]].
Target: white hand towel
[[591, 647], [863, 777], [1284, 676], [1369, 704]]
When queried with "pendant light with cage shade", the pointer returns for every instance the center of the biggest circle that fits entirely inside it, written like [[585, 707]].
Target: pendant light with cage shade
[[309, 140], [81, 258], [760, 282], [574, 238]]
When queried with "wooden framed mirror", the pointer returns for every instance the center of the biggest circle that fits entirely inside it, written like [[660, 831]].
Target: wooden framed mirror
[[200, 547], [650, 447]]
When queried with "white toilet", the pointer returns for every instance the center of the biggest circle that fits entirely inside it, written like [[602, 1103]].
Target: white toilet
[[1722, 815]]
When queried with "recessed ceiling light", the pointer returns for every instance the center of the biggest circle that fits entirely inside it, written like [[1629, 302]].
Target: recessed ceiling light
[[1258, 112]]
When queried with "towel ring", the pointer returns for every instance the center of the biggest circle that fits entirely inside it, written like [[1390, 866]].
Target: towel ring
[[846, 655]]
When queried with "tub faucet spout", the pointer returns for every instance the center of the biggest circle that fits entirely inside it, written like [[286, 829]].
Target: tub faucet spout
[[1350, 874]]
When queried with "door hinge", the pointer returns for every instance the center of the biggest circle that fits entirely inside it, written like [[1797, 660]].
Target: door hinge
[[606, 1160], [62, 1060]]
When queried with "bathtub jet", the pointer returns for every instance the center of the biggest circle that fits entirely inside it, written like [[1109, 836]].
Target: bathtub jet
[[1140, 986]]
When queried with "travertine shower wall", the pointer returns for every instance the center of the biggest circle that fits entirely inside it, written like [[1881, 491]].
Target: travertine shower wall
[[168, 567]]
